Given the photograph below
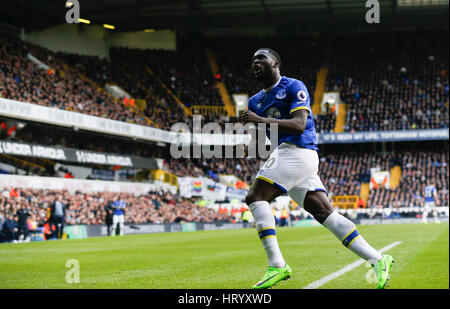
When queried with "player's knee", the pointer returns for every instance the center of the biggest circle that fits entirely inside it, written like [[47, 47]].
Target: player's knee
[[253, 197], [321, 215], [249, 199], [318, 206]]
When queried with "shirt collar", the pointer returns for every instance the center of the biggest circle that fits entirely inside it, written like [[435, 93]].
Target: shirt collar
[[273, 86]]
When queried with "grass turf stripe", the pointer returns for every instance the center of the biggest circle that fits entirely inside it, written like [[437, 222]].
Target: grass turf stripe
[[346, 269]]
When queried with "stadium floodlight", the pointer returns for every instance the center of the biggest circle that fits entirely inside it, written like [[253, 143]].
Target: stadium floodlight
[[84, 21], [109, 26]]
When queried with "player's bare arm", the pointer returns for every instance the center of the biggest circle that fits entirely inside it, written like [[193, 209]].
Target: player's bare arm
[[295, 125]]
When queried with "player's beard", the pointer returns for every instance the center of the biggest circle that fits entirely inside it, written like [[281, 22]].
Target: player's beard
[[261, 74], [257, 76]]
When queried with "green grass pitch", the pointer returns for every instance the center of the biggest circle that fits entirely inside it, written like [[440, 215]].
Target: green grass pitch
[[228, 259]]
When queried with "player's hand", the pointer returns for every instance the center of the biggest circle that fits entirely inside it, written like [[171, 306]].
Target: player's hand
[[249, 116]]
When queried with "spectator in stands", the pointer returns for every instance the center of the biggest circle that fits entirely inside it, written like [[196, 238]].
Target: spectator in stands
[[9, 229]]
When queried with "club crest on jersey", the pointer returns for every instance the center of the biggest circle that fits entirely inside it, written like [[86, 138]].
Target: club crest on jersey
[[281, 94], [273, 112], [301, 95]]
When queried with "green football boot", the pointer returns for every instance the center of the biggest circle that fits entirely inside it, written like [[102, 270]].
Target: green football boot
[[272, 276], [382, 269]]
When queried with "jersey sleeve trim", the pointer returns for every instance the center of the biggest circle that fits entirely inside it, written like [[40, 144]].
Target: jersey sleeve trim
[[299, 108]]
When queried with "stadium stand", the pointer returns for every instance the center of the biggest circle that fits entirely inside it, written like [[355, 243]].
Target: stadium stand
[[154, 207], [186, 72], [127, 69], [50, 136], [392, 81], [389, 81], [244, 169], [342, 174], [419, 169], [409, 72], [22, 80], [303, 57]]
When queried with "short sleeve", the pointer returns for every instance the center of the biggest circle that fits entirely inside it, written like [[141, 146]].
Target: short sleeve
[[299, 97], [250, 104]]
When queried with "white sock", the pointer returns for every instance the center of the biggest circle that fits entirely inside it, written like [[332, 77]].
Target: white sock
[[345, 230], [265, 226]]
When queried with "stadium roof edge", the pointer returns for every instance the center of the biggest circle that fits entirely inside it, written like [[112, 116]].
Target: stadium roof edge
[[206, 14]]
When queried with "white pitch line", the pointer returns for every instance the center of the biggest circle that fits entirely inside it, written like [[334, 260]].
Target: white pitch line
[[347, 268]]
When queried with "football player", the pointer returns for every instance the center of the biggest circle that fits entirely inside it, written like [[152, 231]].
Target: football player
[[292, 168]]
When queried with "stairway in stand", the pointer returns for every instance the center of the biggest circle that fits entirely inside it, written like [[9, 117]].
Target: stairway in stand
[[187, 111], [229, 106]]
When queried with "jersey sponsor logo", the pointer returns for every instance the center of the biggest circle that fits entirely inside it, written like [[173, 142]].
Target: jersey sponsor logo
[[281, 94], [301, 95], [273, 112], [258, 106]]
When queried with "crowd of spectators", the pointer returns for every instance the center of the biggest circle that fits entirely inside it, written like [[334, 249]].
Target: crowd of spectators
[[341, 173], [63, 137], [301, 58], [244, 168], [392, 81], [127, 69], [91, 208], [325, 122], [186, 71], [419, 169], [58, 87]]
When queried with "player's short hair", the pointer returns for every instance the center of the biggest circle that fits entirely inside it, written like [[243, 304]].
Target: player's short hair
[[273, 53]]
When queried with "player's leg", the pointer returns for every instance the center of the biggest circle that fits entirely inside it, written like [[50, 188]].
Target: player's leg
[[435, 213], [282, 170], [114, 226], [257, 199], [121, 222], [310, 193], [426, 210], [436, 216], [317, 204], [345, 230]]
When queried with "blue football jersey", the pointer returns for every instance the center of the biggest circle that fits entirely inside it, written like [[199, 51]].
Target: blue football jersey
[[279, 102], [429, 193], [119, 206]]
